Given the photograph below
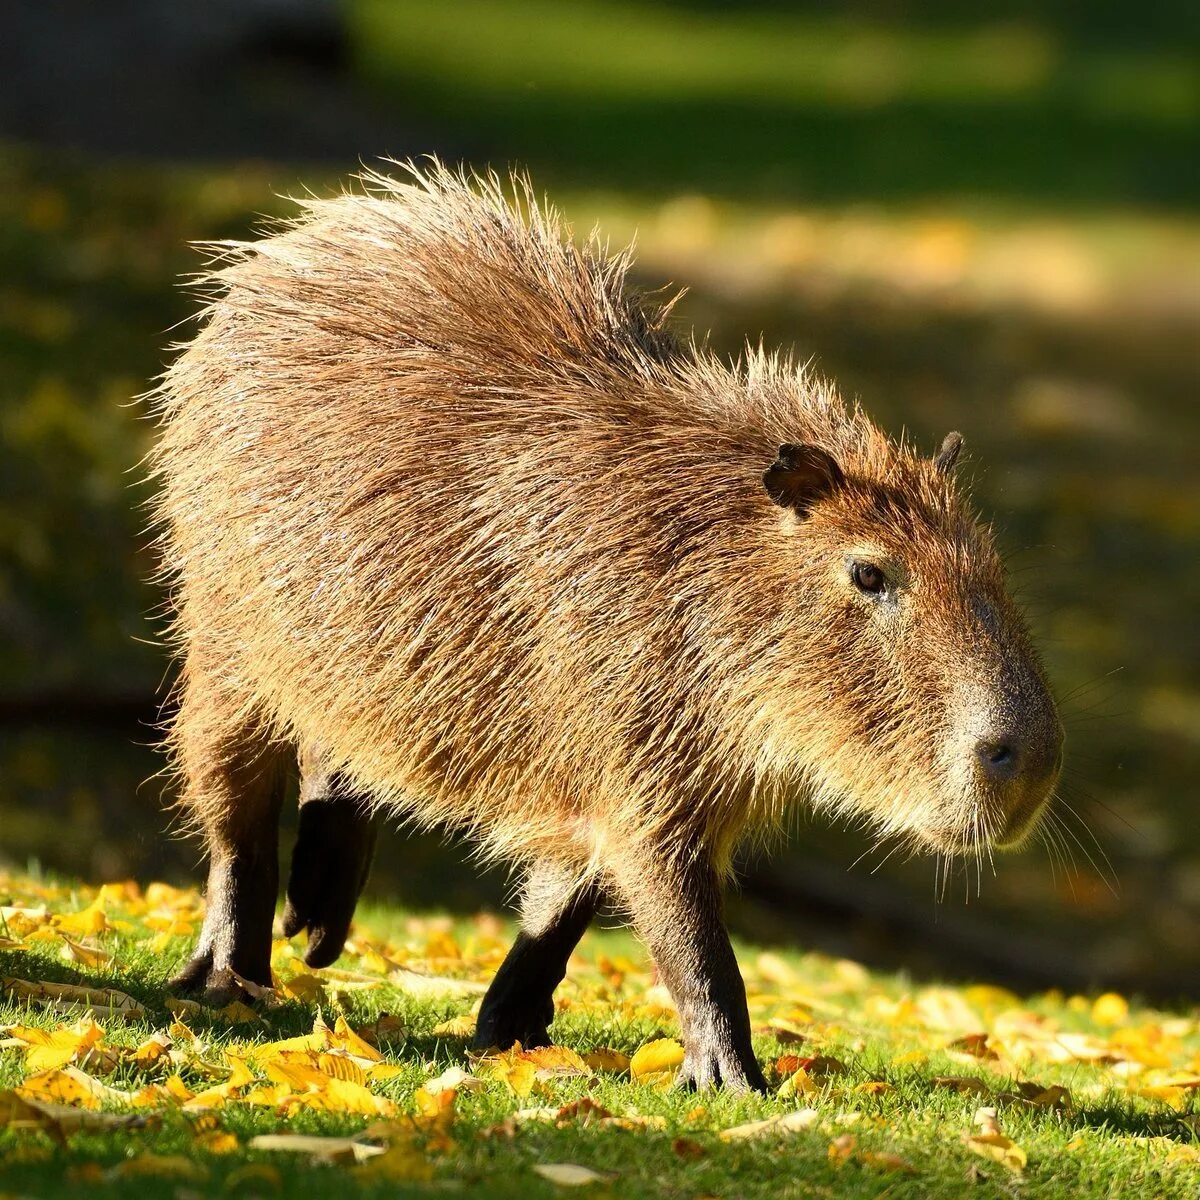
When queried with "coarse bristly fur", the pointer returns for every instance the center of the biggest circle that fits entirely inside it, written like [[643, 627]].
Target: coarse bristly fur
[[440, 494]]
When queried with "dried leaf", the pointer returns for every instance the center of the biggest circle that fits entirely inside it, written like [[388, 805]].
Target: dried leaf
[[655, 1060], [570, 1175], [791, 1122], [321, 1149]]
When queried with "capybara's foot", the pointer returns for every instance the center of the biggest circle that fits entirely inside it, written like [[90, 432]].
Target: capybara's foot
[[193, 978], [216, 986], [330, 865], [712, 1062], [511, 1018]]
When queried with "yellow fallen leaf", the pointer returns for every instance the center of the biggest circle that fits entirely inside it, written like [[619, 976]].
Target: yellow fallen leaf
[[344, 1038], [433, 985], [155, 1048], [791, 1122], [603, 1059], [799, 1083], [452, 1077], [401, 1162], [217, 1141], [59, 1120], [47, 1049], [96, 1001], [998, 1148], [238, 1013], [1176, 1097], [340, 1095], [656, 1059], [456, 1027], [70, 1085], [88, 956], [518, 1074], [1110, 1009], [88, 921], [322, 1149], [570, 1175], [308, 989]]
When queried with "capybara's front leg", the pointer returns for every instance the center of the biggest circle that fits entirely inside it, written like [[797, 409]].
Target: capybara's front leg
[[555, 913], [331, 862], [233, 783], [677, 909]]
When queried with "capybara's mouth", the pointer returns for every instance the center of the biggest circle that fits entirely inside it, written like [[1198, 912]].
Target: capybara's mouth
[[1021, 822]]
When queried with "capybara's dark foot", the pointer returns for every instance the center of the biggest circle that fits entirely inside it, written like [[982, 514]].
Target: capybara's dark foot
[[194, 975], [711, 1061], [216, 986], [511, 1018], [330, 866]]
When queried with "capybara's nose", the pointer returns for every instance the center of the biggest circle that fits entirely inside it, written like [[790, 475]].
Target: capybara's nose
[[999, 757], [1029, 758]]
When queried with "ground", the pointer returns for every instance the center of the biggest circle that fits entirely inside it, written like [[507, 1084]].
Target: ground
[[877, 1084]]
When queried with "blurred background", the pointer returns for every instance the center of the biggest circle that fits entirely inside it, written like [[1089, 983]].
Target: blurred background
[[978, 220]]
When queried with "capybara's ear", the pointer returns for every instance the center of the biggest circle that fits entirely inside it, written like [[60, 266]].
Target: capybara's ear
[[800, 476], [947, 456]]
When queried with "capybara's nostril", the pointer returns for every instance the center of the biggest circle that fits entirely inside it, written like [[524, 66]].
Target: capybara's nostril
[[998, 757]]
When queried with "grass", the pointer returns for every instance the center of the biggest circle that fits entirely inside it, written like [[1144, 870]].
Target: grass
[[883, 1124], [774, 101]]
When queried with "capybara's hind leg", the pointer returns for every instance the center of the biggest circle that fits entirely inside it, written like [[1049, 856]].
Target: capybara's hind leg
[[331, 861], [233, 784], [555, 913], [677, 909]]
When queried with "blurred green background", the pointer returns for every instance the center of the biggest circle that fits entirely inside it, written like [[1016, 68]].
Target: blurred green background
[[982, 221]]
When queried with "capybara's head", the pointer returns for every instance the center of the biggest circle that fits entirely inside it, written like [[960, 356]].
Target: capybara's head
[[905, 667]]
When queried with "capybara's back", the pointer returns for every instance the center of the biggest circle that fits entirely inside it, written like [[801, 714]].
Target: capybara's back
[[451, 510]]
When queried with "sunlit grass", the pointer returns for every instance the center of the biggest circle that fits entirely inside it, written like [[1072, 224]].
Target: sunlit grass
[[892, 1077]]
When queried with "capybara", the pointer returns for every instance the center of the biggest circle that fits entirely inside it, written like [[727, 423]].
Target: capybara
[[451, 512]]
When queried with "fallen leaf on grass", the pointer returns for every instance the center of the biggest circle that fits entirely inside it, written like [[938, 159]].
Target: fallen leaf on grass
[[455, 1027], [800, 1083], [656, 1061], [584, 1111], [844, 1149], [603, 1059], [452, 1077], [792, 1122], [100, 1002], [998, 1148], [570, 1175], [46, 1049], [321, 1149], [399, 1163], [433, 985], [61, 1120], [991, 1143], [85, 955], [70, 1085], [1110, 1009]]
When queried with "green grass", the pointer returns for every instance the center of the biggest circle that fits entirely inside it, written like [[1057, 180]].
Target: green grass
[[879, 1027], [782, 102]]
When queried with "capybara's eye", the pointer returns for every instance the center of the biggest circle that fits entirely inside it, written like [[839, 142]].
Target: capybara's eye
[[868, 578]]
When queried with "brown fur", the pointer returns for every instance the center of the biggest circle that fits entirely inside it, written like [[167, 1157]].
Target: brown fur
[[440, 494]]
